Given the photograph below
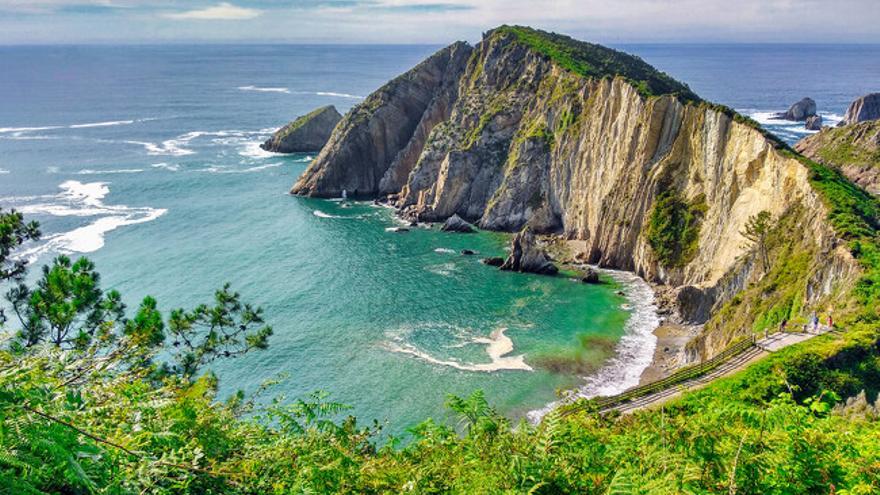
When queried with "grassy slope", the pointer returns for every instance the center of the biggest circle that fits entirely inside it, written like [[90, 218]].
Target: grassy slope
[[849, 145]]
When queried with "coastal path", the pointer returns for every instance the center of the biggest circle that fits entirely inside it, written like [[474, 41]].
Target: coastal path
[[734, 358]]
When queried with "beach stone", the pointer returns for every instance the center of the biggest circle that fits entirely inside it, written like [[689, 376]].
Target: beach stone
[[814, 123], [799, 111], [457, 224]]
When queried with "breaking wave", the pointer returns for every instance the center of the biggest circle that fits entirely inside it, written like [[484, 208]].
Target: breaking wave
[[633, 353], [264, 89], [77, 199]]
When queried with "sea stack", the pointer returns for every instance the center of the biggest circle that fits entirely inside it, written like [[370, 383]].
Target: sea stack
[[800, 111], [862, 109], [527, 256], [307, 133]]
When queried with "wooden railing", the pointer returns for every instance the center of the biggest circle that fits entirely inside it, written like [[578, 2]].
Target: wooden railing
[[680, 376]]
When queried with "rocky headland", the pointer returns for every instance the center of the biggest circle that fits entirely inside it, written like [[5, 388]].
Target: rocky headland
[[535, 130], [307, 133]]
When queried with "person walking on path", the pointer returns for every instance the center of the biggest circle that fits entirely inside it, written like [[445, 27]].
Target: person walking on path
[[783, 324], [814, 321], [830, 321]]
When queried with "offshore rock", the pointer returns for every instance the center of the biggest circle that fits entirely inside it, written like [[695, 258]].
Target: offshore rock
[[862, 109], [307, 133], [527, 256], [800, 111]]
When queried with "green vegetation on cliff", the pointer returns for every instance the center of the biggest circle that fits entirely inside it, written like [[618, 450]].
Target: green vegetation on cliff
[[674, 228], [591, 60]]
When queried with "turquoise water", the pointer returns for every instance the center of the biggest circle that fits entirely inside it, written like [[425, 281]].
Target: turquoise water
[[146, 160]]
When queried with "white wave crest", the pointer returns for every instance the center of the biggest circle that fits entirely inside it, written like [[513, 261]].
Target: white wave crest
[[444, 251], [88, 171], [166, 166], [321, 214], [3, 171], [101, 124], [498, 346], [338, 95], [633, 353], [83, 200], [253, 150], [264, 89]]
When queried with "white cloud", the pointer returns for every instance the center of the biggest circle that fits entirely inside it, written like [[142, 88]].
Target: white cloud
[[221, 12]]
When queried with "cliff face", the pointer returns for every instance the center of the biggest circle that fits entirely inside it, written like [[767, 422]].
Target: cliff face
[[525, 140], [854, 149], [376, 144]]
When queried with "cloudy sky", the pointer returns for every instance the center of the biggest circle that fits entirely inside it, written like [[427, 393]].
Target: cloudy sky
[[434, 21]]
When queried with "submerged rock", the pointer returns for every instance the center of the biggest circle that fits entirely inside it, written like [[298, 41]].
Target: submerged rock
[[527, 256], [800, 111], [862, 109], [309, 132], [814, 123], [468, 252], [457, 224], [493, 261]]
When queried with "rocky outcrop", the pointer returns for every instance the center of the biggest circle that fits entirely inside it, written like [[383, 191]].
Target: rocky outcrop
[[813, 123], [307, 133], [853, 149], [589, 150], [377, 143], [590, 276], [800, 111], [527, 256], [862, 109], [456, 224]]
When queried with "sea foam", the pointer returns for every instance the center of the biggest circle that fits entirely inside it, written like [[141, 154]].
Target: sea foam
[[633, 353], [498, 347], [79, 199]]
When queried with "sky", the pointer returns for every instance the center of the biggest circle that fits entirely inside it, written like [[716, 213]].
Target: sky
[[434, 21]]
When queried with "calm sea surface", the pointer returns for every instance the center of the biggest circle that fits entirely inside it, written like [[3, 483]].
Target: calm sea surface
[[146, 160]]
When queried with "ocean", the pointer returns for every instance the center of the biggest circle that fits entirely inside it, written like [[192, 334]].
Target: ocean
[[146, 159]]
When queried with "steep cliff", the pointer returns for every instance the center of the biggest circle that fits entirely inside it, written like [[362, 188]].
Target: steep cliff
[[539, 130]]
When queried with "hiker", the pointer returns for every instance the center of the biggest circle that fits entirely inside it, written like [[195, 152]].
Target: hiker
[[814, 321], [830, 321], [783, 324]]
